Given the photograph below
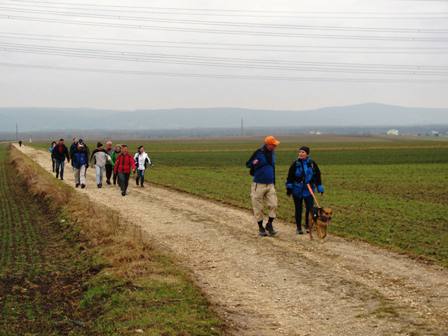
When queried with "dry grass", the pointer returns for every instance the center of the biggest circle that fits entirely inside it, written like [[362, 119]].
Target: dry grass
[[122, 244], [126, 254]]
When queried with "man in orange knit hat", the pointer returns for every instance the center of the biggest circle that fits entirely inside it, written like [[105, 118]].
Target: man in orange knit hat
[[262, 168]]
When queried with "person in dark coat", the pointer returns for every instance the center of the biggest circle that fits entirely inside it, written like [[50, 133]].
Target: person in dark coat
[[73, 148], [303, 171], [60, 154], [53, 161]]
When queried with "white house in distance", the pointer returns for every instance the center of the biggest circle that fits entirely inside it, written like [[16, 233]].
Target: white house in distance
[[393, 132]]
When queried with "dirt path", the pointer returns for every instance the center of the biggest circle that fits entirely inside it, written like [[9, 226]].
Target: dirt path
[[286, 285]]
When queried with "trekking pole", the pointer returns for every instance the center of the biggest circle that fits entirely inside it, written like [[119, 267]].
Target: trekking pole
[[314, 196]]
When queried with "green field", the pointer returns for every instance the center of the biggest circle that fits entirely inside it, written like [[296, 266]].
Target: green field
[[391, 192], [55, 281]]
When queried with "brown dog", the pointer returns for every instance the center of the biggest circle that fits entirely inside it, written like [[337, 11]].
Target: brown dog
[[320, 218]]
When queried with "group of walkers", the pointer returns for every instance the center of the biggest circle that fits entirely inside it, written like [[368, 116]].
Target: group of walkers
[[113, 163], [116, 164], [304, 178]]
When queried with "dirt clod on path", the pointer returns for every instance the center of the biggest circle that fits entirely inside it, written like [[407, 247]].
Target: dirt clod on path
[[286, 285]]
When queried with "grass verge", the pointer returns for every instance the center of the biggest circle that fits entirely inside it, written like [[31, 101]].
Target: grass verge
[[70, 268]]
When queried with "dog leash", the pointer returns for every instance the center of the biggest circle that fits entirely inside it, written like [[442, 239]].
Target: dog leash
[[314, 196]]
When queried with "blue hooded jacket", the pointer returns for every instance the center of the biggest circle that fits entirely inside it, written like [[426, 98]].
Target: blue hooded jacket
[[264, 171], [301, 173], [80, 158]]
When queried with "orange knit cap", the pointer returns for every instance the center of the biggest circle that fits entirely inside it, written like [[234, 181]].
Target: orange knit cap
[[270, 140]]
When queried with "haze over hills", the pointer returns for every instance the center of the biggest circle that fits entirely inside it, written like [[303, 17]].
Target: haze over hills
[[371, 115]]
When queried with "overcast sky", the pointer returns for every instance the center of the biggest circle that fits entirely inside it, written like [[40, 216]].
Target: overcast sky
[[254, 53]]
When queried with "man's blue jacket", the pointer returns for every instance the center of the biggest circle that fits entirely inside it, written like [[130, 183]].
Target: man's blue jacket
[[264, 170]]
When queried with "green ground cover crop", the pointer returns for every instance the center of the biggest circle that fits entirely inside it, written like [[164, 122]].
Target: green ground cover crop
[[392, 192]]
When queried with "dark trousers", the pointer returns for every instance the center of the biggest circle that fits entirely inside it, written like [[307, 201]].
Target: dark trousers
[[298, 201], [53, 164], [140, 177], [60, 168], [115, 178], [123, 181], [109, 170]]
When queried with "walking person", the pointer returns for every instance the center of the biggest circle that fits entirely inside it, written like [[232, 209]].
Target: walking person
[[124, 165], [303, 171], [60, 154], [99, 160], [73, 148], [53, 161], [80, 161], [262, 168], [81, 141], [109, 164], [142, 161], [114, 157]]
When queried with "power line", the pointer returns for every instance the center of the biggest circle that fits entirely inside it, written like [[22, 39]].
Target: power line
[[228, 32], [226, 59], [410, 80], [215, 9], [73, 38], [238, 63], [234, 47], [227, 23], [303, 15]]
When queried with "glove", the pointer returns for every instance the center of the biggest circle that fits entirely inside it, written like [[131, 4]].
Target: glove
[[288, 192], [320, 188]]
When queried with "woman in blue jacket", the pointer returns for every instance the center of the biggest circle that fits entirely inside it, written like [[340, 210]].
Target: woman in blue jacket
[[303, 171]]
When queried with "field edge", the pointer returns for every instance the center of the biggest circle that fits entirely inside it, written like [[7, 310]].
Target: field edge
[[131, 270]]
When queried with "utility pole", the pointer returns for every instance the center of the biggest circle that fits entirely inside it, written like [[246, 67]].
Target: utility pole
[[17, 132], [242, 127]]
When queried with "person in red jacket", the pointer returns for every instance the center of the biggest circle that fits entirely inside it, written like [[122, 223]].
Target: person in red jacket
[[124, 165]]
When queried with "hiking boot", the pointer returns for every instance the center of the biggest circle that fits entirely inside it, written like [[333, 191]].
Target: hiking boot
[[261, 230], [77, 185], [100, 186], [108, 182], [262, 233], [270, 229], [123, 193], [299, 231], [83, 186]]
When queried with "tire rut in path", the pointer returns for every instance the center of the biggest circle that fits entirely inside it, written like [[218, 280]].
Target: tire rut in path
[[286, 285]]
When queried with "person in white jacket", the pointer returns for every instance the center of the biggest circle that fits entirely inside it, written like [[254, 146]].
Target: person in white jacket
[[142, 161], [99, 159]]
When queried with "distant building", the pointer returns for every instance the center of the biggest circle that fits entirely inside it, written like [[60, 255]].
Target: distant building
[[393, 132], [434, 133], [315, 132]]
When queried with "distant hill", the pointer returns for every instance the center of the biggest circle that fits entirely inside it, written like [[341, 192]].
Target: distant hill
[[371, 115]]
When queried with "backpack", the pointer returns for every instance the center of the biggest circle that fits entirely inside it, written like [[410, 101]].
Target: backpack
[[249, 164]]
